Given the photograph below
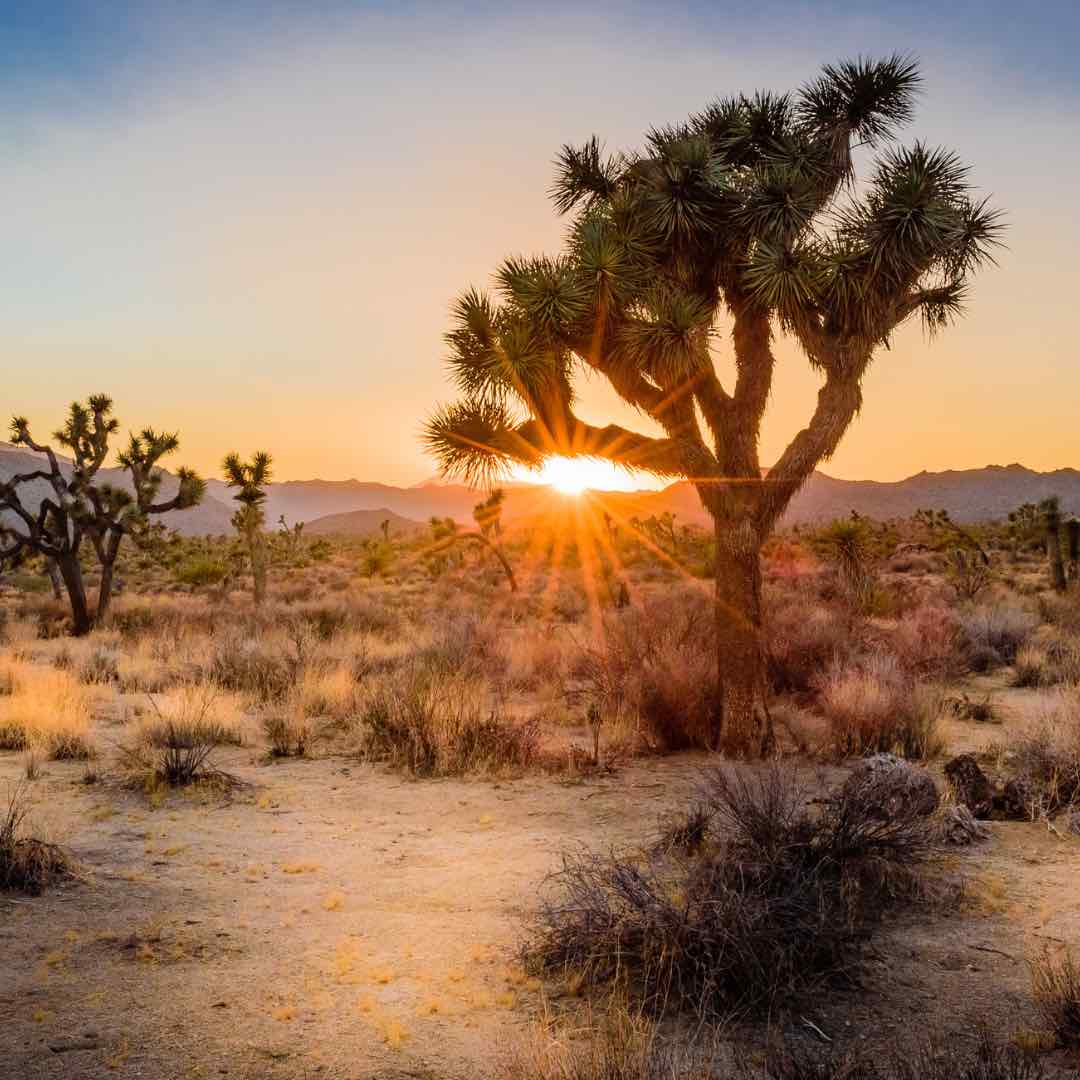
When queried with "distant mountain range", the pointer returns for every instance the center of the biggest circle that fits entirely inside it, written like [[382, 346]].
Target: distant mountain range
[[357, 507]]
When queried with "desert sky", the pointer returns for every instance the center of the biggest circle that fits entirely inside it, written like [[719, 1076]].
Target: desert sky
[[247, 221]]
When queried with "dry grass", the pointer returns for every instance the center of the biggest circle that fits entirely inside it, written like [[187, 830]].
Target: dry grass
[[48, 709], [877, 707], [1046, 757], [1055, 983], [432, 724]]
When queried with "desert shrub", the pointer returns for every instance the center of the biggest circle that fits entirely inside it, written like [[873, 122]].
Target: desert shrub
[[174, 743], [250, 666], [201, 570], [100, 666], [964, 707], [927, 640], [1046, 757], [27, 864], [1051, 657], [433, 724], [1031, 667], [876, 706], [288, 732], [778, 898], [618, 1047], [1061, 611], [461, 644], [1055, 983], [8, 678], [804, 636], [326, 691], [655, 666], [994, 633]]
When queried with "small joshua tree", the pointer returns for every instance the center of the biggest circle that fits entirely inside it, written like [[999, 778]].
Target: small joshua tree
[[251, 477], [293, 538], [846, 543], [77, 507]]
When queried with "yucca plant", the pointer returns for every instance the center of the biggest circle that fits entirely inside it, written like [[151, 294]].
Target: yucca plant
[[746, 216], [251, 478]]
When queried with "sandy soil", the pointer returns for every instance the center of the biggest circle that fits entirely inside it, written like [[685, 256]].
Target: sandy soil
[[331, 920]]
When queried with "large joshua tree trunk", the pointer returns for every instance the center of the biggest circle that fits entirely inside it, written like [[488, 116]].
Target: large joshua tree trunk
[[742, 725], [71, 573]]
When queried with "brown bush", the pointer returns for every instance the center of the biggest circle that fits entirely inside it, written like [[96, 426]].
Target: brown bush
[[27, 864], [655, 667], [775, 899]]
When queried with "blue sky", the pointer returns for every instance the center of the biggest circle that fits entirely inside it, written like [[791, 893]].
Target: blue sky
[[253, 223]]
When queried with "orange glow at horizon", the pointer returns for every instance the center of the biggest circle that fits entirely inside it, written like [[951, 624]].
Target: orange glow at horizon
[[574, 476]]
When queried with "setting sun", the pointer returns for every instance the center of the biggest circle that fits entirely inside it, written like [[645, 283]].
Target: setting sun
[[572, 476]]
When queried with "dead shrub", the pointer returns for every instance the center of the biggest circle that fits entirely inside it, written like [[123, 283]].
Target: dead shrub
[[27, 864], [1050, 658], [777, 898], [100, 666], [618, 1047], [1055, 983], [432, 724], [47, 709], [992, 634]]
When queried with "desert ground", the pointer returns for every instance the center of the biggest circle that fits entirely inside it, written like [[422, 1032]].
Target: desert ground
[[326, 898]]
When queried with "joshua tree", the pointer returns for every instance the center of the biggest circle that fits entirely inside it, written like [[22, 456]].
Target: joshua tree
[[746, 215], [293, 537], [1072, 539], [250, 477], [77, 507], [488, 514], [1051, 511]]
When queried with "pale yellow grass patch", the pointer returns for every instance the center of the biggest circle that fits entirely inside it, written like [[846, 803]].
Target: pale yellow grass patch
[[47, 708]]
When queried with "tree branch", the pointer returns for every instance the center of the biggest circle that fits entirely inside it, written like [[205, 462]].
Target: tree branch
[[839, 401]]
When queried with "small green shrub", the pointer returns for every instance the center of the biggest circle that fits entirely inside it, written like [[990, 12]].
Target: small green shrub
[[201, 570]]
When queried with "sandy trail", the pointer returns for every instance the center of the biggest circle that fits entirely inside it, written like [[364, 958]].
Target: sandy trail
[[336, 921]]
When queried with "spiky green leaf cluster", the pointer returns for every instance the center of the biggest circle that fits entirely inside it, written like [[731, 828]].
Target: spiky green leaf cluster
[[749, 202]]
